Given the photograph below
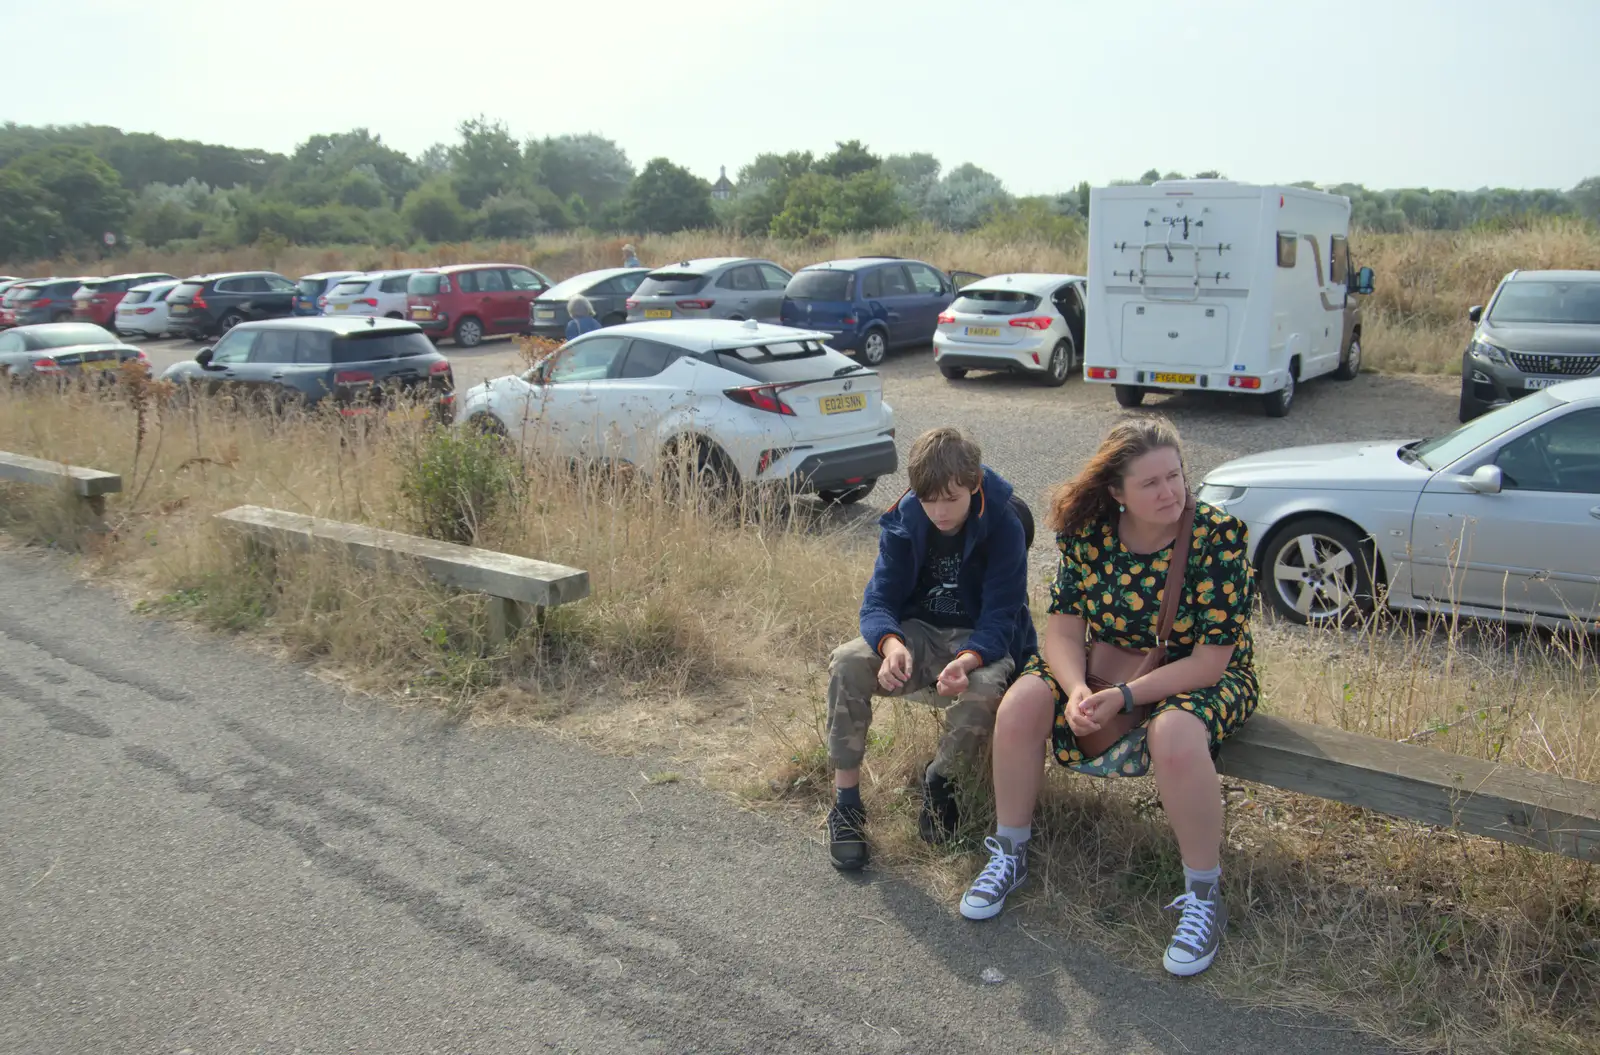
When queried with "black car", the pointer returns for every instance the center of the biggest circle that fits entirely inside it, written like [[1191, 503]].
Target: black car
[[607, 291], [39, 301], [208, 305], [359, 363], [61, 351]]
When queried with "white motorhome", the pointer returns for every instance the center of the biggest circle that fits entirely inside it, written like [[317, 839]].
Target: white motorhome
[[1220, 286]]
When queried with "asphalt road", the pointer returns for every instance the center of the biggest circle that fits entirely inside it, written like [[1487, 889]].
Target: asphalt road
[[206, 851]]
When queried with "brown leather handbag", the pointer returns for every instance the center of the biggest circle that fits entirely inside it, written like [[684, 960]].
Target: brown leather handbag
[[1109, 665]]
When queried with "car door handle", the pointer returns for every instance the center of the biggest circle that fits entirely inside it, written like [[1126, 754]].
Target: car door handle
[[277, 377], [1595, 512], [588, 399]]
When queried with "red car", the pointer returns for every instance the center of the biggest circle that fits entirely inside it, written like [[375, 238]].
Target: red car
[[97, 299], [469, 302]]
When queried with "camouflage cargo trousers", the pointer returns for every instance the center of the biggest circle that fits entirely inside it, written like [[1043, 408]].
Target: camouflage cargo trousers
[[969, 717]]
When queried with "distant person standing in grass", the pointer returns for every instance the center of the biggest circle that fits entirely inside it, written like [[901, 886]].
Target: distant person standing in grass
[[1118, 525], [946, 608], [582, 318], [629, 257]]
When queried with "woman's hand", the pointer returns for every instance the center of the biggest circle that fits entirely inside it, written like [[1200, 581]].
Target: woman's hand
[[1092, 710], [1073, 709]]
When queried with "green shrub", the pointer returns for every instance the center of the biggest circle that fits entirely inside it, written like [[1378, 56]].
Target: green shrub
[[454, 482]]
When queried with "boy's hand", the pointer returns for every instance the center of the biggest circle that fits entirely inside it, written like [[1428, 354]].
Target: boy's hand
[[953, 678], [895, 670]]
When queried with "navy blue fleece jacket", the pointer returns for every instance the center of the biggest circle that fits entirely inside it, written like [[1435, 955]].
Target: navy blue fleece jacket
[[994, 574]]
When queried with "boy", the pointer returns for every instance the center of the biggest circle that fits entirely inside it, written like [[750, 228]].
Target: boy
[[946, 607]]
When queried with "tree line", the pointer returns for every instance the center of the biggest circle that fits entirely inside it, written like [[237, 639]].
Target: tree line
[[63, 188]]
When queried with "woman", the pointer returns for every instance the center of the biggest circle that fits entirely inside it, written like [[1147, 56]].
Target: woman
[[582, 318], [1116, 524], [629, 257]]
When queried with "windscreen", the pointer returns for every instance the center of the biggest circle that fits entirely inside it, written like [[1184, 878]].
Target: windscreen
[[777, 363], [994, 302], [425, 284], [670, 285], [820, 285], [359, 348]]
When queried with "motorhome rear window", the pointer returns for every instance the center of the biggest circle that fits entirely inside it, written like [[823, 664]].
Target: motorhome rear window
[[1287, 242], [994, 302]]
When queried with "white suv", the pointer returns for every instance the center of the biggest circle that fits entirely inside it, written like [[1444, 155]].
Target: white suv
[[381, 293], [762, 404]]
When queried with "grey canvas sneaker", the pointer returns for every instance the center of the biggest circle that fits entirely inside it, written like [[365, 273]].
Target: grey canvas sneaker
[[1199, 932], [1006, 870]]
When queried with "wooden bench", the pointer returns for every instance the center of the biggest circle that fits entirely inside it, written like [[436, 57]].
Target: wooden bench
[[513, 583], [1504, 802], [90, 485]]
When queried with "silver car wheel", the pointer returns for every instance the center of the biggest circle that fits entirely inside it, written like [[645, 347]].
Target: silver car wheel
[[1316, 576]]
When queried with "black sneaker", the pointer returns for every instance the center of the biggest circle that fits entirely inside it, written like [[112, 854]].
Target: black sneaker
[[847, 837], [940, 816]]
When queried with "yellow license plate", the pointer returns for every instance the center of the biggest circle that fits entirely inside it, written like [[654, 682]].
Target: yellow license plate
[[1173, 379], [414, 413], [844, 404], [422, 313], [545, 313], [100, 364], [341, 307], [983, 331], [658, 313], [180, 309]]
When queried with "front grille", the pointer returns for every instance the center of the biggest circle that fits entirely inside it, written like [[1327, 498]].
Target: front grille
[[1562, 365]]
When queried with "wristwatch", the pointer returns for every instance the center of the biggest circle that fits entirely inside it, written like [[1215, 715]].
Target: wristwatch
[[1127, 698]]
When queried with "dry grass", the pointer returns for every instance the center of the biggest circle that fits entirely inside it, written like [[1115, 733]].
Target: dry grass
[[1416, 318], [705, 641]]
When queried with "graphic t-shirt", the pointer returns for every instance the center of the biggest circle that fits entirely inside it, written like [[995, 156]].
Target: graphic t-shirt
[[937, 601]]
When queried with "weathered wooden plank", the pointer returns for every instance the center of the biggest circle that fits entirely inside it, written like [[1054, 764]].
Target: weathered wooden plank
[[1508, 803], [502, 575], [87, 483]]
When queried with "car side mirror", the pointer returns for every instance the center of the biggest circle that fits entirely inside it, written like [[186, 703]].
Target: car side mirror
[[534, 375], [1364, 280], [203, 357], [1486, 480], [1475, 313]]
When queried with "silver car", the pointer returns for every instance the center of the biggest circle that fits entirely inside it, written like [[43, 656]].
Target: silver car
[[1499, 519], [723, 287]]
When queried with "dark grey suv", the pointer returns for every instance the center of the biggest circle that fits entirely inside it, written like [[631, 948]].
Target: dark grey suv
[[356, 363], [208, 305], [1540, 328]]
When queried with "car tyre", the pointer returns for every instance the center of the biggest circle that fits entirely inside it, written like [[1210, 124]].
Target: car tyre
[[1060, 365], [1277, 404], [1129, 395], [228, 322], [874, 346], [953, 373], [1470, 406], [469, 332], [1318, 571], [1350, 362], [393, 315], [849, 496]]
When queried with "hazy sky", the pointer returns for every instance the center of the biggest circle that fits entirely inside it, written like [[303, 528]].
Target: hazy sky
[[1438, 93]]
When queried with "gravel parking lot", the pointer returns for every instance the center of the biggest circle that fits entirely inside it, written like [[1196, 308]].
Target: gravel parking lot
[[1035, 435]]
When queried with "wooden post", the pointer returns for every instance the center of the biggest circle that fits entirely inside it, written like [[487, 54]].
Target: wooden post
[[97, 513], [505, 619]]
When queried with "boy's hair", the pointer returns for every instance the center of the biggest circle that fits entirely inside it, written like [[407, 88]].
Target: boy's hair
[[943, 460]]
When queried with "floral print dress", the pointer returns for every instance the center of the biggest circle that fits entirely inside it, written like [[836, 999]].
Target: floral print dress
[[1118, 593]]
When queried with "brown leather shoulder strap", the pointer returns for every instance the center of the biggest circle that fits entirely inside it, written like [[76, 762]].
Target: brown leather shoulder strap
[[1177, 566]]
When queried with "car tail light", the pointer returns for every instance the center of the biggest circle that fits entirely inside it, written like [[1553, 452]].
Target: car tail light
[[41, 302], [1034, 322], [441, 367], [761, 397], [1103, 373], [143, 311], [322, 302], [946, 317], [1235, 381], [1036, 361], [199, 302], [849, 320], [145, 359], [630, 304], [370, 302], [47, 365], [353, 377], [695, 305], [770, 458]]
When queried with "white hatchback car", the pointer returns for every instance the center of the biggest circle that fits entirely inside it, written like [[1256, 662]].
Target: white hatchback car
[[381, 293], [1021, 323], [760, 404], [142, 312]]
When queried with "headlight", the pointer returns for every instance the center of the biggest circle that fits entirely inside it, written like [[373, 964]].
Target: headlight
[[1219, 494], [1490, 352]]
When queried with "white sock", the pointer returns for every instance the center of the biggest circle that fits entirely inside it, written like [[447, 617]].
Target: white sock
[[1015, 836], [1194, 875]]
